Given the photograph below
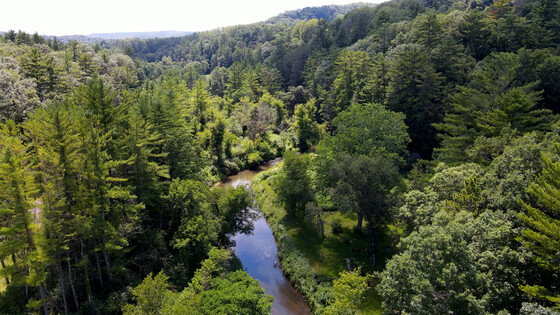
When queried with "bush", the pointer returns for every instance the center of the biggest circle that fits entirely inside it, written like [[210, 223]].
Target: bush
[[336, 226], [231, 167]]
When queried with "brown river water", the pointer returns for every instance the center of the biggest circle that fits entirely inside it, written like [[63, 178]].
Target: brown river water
[[259, 255]]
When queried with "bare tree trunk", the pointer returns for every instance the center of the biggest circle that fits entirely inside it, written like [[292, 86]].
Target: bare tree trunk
[[86, 272], [100, 274], [62, 286], [107, 263], [373, 246], [4, 267], [360, 222], [72, 286], [43, 298]]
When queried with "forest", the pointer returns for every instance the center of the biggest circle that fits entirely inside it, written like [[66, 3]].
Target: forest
[[420, 143]]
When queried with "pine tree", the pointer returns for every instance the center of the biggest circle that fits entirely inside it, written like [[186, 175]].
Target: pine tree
[[353, 70], [34, 65], [491, 104], [414, 89], [542, 235], [20, 215], [54, 137]]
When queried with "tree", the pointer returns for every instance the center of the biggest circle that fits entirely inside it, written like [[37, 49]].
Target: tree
[[542, 235], [458, 263], [194, 226], [234, 212], [353, 69], [19, 215], [307, 129], [218, 287], [367, 130], [429, 30], [54, 135], [150, 296], [293, 184], [41, 69], [363, 185], [18, 96], [360, 161], [414, 89], [200, 101], [492, 104], [348, 293]]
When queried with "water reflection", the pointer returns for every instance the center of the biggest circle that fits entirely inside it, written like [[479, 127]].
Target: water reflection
[[259, 256]]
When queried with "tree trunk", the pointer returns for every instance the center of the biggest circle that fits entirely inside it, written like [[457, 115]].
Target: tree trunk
[[373, 246], [360, 222], [43, 298], [62, 286], [72, 286], [4, 267], [86, 272], [107, 262], [100, 274]]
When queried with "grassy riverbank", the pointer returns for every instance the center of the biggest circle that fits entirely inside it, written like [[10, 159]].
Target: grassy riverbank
[[325, 256]]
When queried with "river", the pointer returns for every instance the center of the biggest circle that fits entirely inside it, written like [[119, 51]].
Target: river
[[259, 255]]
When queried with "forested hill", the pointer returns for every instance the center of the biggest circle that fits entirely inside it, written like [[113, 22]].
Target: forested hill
[[229, 39], [327, 12], [430, 160]]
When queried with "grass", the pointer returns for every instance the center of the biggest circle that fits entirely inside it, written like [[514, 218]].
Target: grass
[[328, 255]]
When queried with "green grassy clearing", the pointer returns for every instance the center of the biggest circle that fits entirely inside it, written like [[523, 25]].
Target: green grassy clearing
[[328, 255]]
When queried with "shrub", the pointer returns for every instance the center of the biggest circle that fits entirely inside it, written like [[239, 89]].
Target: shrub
[[336, 226]]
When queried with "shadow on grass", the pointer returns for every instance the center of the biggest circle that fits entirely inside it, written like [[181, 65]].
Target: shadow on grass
[[328, 255]]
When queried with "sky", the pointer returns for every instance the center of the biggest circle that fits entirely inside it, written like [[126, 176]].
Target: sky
[[78, 17]]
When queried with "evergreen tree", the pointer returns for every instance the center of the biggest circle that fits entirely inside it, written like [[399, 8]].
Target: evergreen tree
[[542, 235], [353, 69], [20, 216], [414, 89]]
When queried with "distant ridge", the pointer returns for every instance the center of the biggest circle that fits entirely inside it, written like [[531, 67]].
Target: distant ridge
[[141, 35], [104, 37], [327, 12]]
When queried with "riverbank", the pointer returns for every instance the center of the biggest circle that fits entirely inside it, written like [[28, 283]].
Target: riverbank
[[315, 289], [313, 260]]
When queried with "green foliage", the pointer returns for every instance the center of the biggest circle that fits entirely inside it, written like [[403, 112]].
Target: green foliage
[[368, 130], [216, 288], [150, 296], [363, 185], [492, 106], [236, 293], [293, 183], [474, 265], [294, 264], [108, 177], [414, 90], [352, 71], [348, 293], [543, 230], [307, 129]]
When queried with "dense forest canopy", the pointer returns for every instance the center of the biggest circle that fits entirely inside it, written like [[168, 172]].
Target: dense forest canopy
[[433, 123]]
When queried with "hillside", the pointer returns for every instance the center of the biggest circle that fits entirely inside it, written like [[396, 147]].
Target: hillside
[[419, 171], [327, 12]]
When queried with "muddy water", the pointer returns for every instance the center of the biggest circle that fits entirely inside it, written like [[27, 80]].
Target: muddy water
[[259, 255]]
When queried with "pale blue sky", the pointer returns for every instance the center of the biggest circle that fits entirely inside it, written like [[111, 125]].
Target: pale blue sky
[[69, 17]]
